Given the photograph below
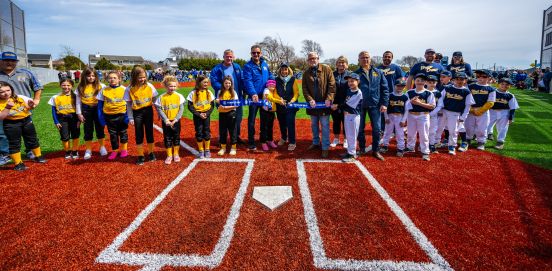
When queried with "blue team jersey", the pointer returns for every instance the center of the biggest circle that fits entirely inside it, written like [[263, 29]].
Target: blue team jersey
[[437, 94], [397, 103], [505, 100], [427, 69], [465, 68], [441, 87], [353, 102], [422, 96], [481, 94], [455, 98], [391, 73]]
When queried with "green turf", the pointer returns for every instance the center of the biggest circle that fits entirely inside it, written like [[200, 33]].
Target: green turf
[[529, 137]]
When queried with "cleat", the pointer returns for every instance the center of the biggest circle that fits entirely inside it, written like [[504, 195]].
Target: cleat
[[103, 151], [463, 147], [201, 155], [490, 137], [75, 155], [425, 157], [378, 156], [272, 144], [221, 152], [408, 150], [400, 153], [207, 154], [291, 147], [384, 149], [481, 146], [31, 155], [140, 161], [20, 167], [124, 153], [252, 147], [334, 143], [112, 156], [348, 158], [264, 147], [168, 160], [176, 158], [451, 150], [499, 145], [232, 152], [433, 149], [40, 159], [282, 142], [87, 154], [67, 155], [151, 157]]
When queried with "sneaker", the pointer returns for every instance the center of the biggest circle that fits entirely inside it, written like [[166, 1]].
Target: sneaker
[[252, 147], [272, 144], [325, 154], [384, 149], [140, 161], [112, 156], [31, 155], [40, 159], [176, 158], [408, 150], [451, 150], [335, 142], [400, 153], [103, 151], [67, 154], [490, 137], [87, 154], [433, 149], [481, 146], [75, 154], [264, 147], [439, 145], [207, 154], [200, 155], [291, 147], [363, 151], [221, 152], [345, 145], [168, 160], [282, 142], [425, 157], [378, 156], [232, 152], [463, 147], [348, 159], [499, 145], [124, 153], [313, 147], [20, 167], [4, 159], [151, 157]]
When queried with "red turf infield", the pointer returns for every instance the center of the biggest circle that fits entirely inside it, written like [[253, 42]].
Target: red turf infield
[[480, 211]]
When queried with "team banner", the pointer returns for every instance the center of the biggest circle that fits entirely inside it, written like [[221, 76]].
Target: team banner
[[269, 104]]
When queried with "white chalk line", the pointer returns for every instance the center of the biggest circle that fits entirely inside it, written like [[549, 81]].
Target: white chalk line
[[182, 143], [153, 261], [317, 245]]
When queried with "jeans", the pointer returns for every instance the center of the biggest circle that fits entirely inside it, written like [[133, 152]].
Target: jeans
[[253, 109], [315, 126], [239, 116], [3, 140], [375, 121]]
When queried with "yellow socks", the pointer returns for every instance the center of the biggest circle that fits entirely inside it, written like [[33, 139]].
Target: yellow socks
[[200, 146], [223, 146], [75, 146], [176, 149], [233, 146], [150, 147], [169, 152], [124, 146], [16, 157], [37, 152], [102, 142], [140, 149], [207, 144], [88, 145], [65, 145]]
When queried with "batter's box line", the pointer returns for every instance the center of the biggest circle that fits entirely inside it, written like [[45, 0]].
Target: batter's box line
[[153, 261], [317, 245], [182, 143]]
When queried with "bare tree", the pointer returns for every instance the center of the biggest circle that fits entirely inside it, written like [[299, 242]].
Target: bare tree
[[180, 53], [330, 62], [276, 52], [66, 50], [409, 61], [311, 46], [177, 52], [377, 60]]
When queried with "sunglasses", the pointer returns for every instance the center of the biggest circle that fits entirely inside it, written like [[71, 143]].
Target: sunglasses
[[255, 53]]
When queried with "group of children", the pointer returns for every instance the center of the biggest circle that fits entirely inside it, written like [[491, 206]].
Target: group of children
[[433, 106]]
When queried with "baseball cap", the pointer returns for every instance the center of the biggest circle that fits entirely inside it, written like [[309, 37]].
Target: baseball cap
[[352, 75], [270, 83], [460, 75], [284, 64], [420, 75], [9, 56], [486, 72], [505, 80], [400, 82], [446, 73], [432, 77], [430, 50], [457, 53]]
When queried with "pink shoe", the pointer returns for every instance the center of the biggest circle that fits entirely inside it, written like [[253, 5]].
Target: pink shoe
[[112, 155], [176, 158], [272, 144], [124, 153], [168, 160], [264, 147]]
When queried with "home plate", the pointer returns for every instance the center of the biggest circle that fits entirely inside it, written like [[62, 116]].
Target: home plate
[[272, 196]]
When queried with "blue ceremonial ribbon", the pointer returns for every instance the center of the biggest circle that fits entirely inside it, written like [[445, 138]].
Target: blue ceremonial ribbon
[[307, 105], [245, 103]]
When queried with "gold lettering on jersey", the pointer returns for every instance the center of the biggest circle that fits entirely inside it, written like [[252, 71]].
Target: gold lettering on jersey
[[457, 69], [64, 107], [501, 101], [396, 103], [142, 101], [479, 92], [429, 68], [170, 106], [454, 96], [114, 100]]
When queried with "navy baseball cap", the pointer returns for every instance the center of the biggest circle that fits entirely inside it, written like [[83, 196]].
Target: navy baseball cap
[[353, 75], [284, 64], [457, 53], [9, 56], [485, 72], [400, 82], [460, 75], [430, 50], [432, 77], [505, 80], [420, 75], [446, 73]]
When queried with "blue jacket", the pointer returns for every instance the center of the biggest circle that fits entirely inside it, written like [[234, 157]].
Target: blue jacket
[[255, 77], [375, 91], [217, 76]]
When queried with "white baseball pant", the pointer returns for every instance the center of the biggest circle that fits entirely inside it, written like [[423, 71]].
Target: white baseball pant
[[394, 125], [418, 124], [352, 124]]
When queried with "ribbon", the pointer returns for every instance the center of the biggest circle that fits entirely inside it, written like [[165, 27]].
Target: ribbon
[[319, 105]]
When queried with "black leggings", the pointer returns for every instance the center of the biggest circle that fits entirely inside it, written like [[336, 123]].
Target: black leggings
[[117, 128], [15, 129], [202, 128], [338, 122], [267, 126], [171, 135], [91, 122], [143, 120], [227, 125], [69, 127]]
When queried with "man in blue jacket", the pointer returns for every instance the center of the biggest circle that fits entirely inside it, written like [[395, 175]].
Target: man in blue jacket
[[375, 93], [229, 68], [255, 75]]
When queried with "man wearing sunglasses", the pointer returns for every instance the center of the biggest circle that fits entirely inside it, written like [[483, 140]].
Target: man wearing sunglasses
[[458, 65]]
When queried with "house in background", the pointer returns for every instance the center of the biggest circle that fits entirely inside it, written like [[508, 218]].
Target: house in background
[[546, 41], [127, 61], [170, 63], [40, 60]]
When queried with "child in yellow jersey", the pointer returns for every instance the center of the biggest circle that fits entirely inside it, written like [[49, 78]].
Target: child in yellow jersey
[[200, 103], [170, 107], [112, 110], [15, 111], [227, 116], [140, 96], [87, 110], [65, 118], [268, 115]]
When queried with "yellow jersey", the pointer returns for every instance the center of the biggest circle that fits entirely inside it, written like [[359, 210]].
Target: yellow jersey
[[272, 97], [20, 109], [170, 104], [88, 97], [201, 99], [227, 95], [141, 96], [114, 102], [63, 103]]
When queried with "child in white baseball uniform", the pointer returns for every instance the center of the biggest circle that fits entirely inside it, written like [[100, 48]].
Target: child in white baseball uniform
[[420, 103], [502, 112], [393, 118], [484, 96], [351, 107], [456, 101], [431, 85]]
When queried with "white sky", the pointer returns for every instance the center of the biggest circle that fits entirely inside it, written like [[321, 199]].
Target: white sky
[[507, 33]]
